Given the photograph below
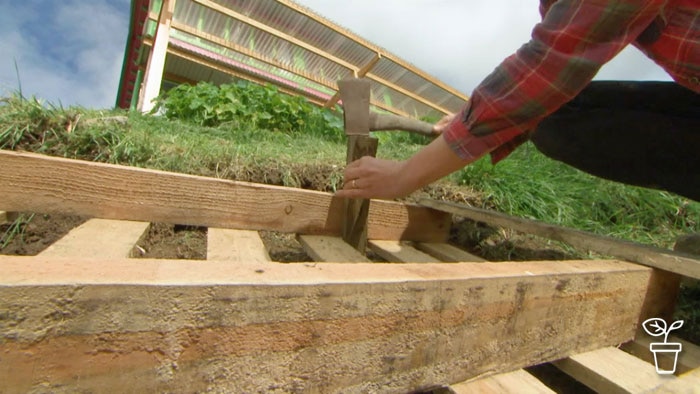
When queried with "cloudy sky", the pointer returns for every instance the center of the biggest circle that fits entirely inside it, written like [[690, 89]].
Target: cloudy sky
[[70, 52]]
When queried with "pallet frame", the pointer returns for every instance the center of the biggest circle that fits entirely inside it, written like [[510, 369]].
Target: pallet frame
[[57, 300]]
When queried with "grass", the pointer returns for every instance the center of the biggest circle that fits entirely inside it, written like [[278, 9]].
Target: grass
[[530, 185], [15, 229], [526, 184]]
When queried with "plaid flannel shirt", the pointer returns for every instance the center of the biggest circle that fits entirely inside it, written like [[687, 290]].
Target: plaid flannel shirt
[[574, 39]]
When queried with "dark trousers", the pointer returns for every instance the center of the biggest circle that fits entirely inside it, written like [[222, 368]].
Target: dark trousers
[[640, 133]]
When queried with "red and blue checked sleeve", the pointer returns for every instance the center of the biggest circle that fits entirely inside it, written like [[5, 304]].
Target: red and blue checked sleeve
[[574, 39]]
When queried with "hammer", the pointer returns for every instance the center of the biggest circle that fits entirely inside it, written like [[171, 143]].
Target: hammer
[[354, 93], [358, 122]]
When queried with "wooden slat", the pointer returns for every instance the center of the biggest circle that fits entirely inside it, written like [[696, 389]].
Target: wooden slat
[[688, 358], [99, 238], [90, 324], [646, 255], [240, 246], [7, 217], [323, 248], [446, 252], [156, 58], [516, 382], [401, 252], [611, 370], [45, 184], [687, 383]]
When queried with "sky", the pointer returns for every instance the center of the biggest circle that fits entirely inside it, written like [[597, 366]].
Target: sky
[[70, 52]]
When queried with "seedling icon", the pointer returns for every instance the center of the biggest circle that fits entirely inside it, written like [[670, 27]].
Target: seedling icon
[[657, 327]]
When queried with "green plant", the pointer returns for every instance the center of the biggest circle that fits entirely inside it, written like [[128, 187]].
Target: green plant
[[248, 105]]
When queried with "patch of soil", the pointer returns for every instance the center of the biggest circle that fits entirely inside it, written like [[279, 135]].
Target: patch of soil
[[168, 241], [496, 244], [29, 234], [284, 247]]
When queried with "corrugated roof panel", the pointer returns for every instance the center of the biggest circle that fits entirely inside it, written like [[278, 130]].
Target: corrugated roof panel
[[238, 62], [331, 50]]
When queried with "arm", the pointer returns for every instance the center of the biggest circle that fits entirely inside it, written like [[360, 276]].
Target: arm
[[567, 49], [378, 178], [575, 38]]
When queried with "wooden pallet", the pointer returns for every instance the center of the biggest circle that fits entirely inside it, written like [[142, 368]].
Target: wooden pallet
[[84, 316]]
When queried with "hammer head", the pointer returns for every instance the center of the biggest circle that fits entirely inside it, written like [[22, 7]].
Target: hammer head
[[355, 94]]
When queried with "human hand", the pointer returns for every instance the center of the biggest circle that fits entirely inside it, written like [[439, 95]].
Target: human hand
[[370, 177], [440, 126]]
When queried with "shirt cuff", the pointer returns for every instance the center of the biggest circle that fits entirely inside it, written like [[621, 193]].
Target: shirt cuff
[[470, 147]]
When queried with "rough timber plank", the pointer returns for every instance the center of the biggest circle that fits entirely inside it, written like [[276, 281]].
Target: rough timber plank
[[241, 246], [323, 248], [630, 251], [357, 210], [400, 252], [44, 184], [446, 252], [511, 382], [99, 238], [688, 358], [516, 382], [7, 217], [611, 370], [687, 383], [154, 326]]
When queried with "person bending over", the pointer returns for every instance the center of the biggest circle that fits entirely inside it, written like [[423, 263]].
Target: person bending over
[[640, 133]]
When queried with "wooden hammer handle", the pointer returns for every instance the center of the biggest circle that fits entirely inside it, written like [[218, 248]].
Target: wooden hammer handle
[[394, 122]]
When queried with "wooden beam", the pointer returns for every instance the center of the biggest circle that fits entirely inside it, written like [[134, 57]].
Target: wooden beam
[[516, 382], [653, 257], [611, 370], [688, 358], [519, 381], [686, 383], [236, 246], [156, 59], [323, 248], [400, 252], [7, 217], [99, 237], [169, 325], [37, 183], [357, 210], [355, 94], [446, 252]]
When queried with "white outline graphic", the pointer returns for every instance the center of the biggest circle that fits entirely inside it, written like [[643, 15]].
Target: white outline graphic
[[657, 327]]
